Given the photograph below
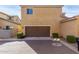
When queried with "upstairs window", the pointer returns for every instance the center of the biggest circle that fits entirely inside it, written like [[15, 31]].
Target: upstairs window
[[29, 11]]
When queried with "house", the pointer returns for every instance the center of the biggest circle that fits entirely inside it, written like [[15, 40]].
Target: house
[[70, 26], [41, 20], [7, 20]]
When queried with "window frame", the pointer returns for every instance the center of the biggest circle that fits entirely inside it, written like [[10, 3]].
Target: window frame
[[29, 11]]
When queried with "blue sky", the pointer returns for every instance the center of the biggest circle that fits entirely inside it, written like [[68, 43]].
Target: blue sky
[[70, 10], [11, 9]]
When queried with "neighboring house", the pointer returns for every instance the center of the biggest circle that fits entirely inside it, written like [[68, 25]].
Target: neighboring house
[[41, 20], [70, 26], [7, 20]]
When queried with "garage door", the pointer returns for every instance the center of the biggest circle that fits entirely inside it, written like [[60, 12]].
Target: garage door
[[37, 31]]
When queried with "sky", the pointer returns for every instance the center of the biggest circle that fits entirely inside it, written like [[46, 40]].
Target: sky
[[69, 10], [11, 10]]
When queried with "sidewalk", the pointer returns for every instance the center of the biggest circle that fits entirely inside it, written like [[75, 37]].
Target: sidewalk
[[71, 46]]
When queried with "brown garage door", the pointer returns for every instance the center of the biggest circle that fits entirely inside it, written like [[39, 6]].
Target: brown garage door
[[37, 31]]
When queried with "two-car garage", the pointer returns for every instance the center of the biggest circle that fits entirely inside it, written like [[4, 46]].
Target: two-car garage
[[37, 31]]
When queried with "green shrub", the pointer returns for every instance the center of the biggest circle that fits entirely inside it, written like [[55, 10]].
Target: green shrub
[[71, 39], [55, 35], [20, 35]]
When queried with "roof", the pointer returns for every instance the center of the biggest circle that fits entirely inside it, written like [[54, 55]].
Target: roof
[[5, 14], [10, 21], [68, 19], [77, 16], [8, 18]]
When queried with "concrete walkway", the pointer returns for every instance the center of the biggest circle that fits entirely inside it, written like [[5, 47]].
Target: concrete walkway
[[16, 47], [70, 46]]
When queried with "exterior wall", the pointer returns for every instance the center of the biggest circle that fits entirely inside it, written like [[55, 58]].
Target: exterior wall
[[77, 22], [14, 29], [1, 23], [15, 19], [3, 16], [42, 16], [11, 21], [69, 28], [12, 25]]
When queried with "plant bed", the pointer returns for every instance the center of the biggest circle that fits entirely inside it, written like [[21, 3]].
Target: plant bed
[[55, 35], [71, 39], [20, 35]]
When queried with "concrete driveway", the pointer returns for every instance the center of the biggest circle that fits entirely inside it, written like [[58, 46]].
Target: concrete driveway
[[46, 47], [33, 46]]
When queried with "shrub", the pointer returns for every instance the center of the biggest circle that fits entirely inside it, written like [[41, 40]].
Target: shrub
[[55, 35], [20, 35], [71, 39]]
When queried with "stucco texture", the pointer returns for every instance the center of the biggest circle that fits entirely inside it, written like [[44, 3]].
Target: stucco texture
[[42, 16]]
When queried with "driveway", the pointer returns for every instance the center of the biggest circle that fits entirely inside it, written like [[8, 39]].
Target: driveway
[[46, 47], [39, 46]]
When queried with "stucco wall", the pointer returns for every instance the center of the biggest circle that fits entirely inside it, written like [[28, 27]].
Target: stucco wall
[[69, 28], [42, 16], [4, 23], [7, 20], [77, 22]]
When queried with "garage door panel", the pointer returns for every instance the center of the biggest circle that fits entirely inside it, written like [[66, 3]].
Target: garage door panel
[[37, 31]]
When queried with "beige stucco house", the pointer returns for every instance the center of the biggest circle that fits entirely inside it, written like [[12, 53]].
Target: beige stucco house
[[7, 20], [41, 20], [70, 26]]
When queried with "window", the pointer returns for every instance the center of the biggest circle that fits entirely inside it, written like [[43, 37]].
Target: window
[[29, 11]]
